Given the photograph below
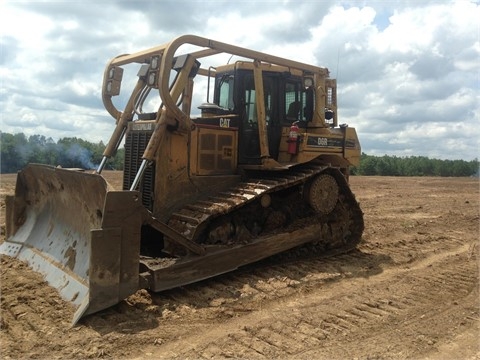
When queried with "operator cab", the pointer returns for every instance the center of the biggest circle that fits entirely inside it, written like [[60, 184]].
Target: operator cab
[[286, 101]]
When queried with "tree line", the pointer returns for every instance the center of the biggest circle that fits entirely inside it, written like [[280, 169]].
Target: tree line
[[414, 166], [17, 151]]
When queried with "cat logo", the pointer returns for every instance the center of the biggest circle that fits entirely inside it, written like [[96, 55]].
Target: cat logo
[[142, 126], [225, 123]]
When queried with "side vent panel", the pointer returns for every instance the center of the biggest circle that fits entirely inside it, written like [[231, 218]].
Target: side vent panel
[[216, 152]]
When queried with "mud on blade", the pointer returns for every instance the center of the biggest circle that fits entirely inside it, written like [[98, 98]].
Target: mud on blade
[[54, 223]]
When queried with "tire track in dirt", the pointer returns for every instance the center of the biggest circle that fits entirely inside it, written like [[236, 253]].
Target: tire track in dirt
[[313, 325], [268, 282]]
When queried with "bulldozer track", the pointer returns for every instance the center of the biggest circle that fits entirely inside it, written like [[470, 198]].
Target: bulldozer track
[[193, 216], [192, 219]]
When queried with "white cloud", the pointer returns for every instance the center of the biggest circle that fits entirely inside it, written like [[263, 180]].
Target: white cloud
[[29, 37], [407, 71]]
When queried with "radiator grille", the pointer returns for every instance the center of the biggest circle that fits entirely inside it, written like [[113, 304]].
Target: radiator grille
[[135, 144]]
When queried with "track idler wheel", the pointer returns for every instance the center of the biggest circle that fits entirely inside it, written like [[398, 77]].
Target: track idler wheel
[[322, 193]]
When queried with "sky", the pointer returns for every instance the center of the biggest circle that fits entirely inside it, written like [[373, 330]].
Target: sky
[[408, 72]]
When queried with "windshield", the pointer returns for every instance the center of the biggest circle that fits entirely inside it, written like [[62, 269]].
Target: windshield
[[225, 92]]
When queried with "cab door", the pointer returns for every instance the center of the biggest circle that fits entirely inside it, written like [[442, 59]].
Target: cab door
[[249, 141]]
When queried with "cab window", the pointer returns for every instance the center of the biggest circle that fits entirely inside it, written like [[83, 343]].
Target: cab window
[[225, 97], [294, 102]]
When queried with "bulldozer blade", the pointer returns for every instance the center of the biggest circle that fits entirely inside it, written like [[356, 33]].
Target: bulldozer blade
[[82, 237]]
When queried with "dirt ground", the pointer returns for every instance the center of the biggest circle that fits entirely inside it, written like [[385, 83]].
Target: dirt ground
[[410, 291]]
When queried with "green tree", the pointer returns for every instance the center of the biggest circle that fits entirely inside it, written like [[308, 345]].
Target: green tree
[[12, 152], [414, 166], [17, 151], [368, 165]]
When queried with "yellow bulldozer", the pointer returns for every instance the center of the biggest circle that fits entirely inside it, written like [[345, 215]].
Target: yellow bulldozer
[[263, 167]]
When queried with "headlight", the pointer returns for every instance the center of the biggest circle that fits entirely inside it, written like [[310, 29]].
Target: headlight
[[154, 62], [307, 82], [114, 81], [152, 78]]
